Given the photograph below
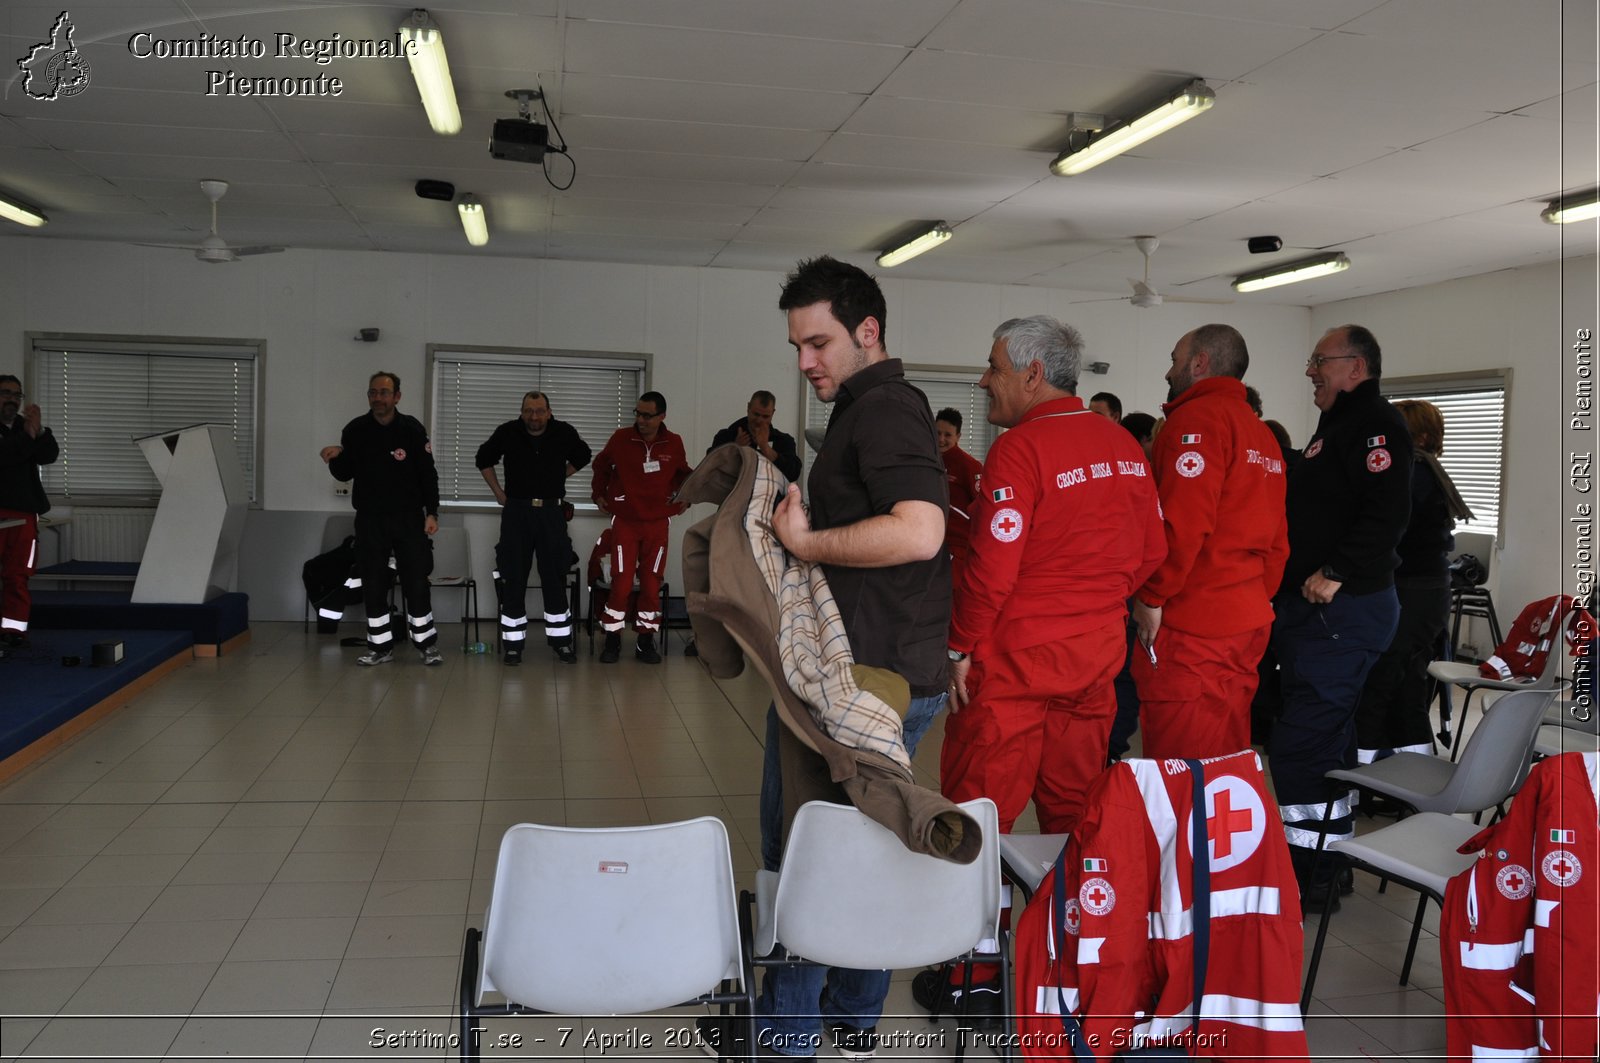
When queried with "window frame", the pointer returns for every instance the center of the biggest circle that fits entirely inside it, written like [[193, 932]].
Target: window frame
[[1432, 385], [639, 362], [136, 345]]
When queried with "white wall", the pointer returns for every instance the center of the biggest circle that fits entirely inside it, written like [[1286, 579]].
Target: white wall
[[1525, 320], [714, 335]]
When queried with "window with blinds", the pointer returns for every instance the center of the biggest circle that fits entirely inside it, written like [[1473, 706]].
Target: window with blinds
[[1474, 411], [474, 391], [956, 389], [99, 394]]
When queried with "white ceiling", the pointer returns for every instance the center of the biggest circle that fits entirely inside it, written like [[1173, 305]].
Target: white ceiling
[[1418, 136]]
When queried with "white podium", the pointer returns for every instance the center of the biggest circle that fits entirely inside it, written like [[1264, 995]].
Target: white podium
[[193, 552]]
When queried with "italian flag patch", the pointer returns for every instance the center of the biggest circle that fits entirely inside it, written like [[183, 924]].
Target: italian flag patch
[[1003, 494], [1194, 438], [1091, 864], [1377, 441], [1566, 836]]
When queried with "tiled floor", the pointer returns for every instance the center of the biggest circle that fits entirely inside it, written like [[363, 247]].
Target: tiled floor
[[276, 854]]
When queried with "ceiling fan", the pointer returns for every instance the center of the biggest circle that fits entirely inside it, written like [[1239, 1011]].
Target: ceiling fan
[[214, 248], [1144, 294]]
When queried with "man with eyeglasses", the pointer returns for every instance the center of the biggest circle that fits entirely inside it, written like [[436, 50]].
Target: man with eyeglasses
[[25, 444], [635, 478], [396, 499], [1349, 499], [540, 453]]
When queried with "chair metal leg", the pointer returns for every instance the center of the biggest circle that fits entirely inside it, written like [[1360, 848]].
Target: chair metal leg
[[1316, 951], [1416, 932], [469, 976]]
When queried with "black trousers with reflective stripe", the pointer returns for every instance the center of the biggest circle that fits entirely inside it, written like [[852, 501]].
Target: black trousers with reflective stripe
[[377, 534], [528, 532]]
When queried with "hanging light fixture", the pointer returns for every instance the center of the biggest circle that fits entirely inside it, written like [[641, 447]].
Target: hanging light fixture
[[474, 222], [424, 46], [916, 245], [1195, 98], [1292, 272], [1568, 209], [21, 213]]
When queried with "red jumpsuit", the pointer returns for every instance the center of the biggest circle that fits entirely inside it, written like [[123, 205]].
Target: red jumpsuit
[[1066, 526], [1127, 968], [1221, 478], [961, 473], [636, 480], [1518, 932]]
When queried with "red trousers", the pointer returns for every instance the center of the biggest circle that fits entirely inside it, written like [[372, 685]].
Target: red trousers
[[1038, 725], [18, 552], [638, 549], [1195, 701]]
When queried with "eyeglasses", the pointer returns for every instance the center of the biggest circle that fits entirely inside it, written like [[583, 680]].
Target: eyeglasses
[[1317, 361], [10, 393], [645, 415], [375, 393]]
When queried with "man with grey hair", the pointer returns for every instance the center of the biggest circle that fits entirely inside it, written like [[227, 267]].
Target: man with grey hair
[[1206, 613]]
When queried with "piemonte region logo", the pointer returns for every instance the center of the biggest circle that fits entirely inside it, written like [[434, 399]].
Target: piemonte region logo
[[55, 69]]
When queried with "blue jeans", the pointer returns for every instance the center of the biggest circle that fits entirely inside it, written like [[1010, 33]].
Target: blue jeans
[[792, 1002]]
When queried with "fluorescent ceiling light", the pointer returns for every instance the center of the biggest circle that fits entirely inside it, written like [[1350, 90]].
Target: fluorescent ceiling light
[[915, 246], [1292, 272], [1195, 98], [473, 220], [20, 213], [424, 46], [1568, 209]]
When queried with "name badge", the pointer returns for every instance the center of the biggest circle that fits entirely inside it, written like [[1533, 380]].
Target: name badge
[[652, 466]]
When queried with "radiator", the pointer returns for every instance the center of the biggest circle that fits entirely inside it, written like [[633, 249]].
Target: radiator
[[110, 534]]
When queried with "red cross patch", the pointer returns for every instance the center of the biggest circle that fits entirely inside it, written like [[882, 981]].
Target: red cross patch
[[1190, 464], [1314, 449], [1074, 917], [398, 454], [1006, 525], [1561, 867], [1379, 460], [1097, 896], [1236, 822], [1513, 882]]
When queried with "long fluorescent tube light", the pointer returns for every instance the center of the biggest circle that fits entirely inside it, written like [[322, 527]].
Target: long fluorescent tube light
[[1568, 209], [915, 246], [424, 46], [1292, 272], [21, 214], [473, 221], [1195, 98]]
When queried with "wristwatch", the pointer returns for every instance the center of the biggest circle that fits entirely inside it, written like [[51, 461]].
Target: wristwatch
[[1329, 574], [955, 655]]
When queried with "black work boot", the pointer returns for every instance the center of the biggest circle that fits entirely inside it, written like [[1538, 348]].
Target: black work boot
[[646, 650], [612, 649]]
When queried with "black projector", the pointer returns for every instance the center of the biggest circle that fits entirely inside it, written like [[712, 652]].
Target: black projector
[[519, 140]]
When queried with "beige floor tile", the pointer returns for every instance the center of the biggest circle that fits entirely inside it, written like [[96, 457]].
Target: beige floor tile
[[251, 840], [118, 1038], [186, 791], [222, 868], [87, 816], [16, 905], [355, 814], [433, 837], [367, 790], [136, 869], [408, 935], [395, 982], [318, 938], [296, 900], [329, 867], [59, 946], [1405, 1020], [40, 991], [401, 898], [269, 985], [182, 904], [205, 941], [31, 871], [141, 989], [142, 840], [95, 904], [349, 838], [17, 1034], [216, 1036]]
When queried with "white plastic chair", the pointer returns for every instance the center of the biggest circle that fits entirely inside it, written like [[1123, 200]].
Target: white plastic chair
[[452, 567], [1562, 732], [850, 894], [607, 921]]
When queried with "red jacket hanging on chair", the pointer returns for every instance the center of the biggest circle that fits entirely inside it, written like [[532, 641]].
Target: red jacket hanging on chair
[[1532, 638]]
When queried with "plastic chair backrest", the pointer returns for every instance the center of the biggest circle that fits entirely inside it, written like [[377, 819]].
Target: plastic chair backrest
[[611, 920], [452, 555], [850, 894], [1479, 544], [338, 527], [1498, 753]]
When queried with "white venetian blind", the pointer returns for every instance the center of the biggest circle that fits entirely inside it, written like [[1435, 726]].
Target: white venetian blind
[[473, 393], [97, 396], [1474, 412], [954, 389]]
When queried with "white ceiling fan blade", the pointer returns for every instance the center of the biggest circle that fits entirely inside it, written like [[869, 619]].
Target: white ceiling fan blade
[[1143, 288], [258, 249]]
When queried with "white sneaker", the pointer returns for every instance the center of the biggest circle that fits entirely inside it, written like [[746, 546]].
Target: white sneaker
[[372, 657], [431, 656]]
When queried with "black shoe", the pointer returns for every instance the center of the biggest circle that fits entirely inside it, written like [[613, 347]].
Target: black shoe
[[566, 653], [932, 989], [646, 650], [1347, 881], [852, 1042], [691, 650], [612, 650], [16, 640], [514, 655]]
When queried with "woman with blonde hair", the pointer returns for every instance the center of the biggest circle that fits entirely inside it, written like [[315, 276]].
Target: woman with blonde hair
[[1393, 712]]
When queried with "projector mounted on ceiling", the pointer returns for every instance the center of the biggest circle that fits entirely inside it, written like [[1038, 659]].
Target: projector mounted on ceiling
[[523, 139]]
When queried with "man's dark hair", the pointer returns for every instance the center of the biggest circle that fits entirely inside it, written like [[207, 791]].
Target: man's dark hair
[[1229, 357], [1110, 400], [1281, 434], [1140, 425], [657, 399], [7, 376], [764, 398], [537, 395], [951, 416], [394, 378], [850, 292], [1253, 397], [1359, 340]]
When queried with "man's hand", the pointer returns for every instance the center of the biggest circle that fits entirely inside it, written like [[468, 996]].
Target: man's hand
[[329, 453], [958, 684], [761, 436], [1319, 589], [500, 495], [1147, 620], [791, 523], [742, 436], [430, 524], [601, 504], [32, 421]]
